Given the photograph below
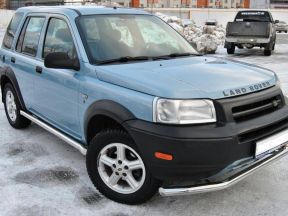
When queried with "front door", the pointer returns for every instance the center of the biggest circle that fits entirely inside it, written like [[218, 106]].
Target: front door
[[56, 90]]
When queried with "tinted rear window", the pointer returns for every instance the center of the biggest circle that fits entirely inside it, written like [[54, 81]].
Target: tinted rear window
[[11, 30], [253, 16]]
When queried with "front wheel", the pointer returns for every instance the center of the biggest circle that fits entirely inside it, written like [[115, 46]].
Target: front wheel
[[13, 107], [117, 169]]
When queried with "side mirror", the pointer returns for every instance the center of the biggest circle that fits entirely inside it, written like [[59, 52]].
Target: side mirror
[[61, 60], [276, 21]]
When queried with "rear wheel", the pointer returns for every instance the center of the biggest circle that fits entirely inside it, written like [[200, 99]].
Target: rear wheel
[[13, 107], [231, 50], [267, 52], [117, 169]]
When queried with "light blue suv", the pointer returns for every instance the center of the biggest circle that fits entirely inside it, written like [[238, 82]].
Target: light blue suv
[[152, 114]]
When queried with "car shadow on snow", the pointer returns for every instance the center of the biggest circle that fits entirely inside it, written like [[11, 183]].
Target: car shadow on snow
[[47, 177]]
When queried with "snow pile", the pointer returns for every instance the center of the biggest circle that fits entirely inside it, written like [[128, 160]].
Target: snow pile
[[211, 38], [205, 39]]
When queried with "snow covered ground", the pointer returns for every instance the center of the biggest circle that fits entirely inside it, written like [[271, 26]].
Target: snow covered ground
[[42, 176]]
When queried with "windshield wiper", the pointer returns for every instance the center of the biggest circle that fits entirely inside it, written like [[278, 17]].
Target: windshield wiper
[[175, 55], [145, 58], [124, 59]]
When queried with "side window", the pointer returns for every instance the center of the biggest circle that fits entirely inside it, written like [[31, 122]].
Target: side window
[[59, 39], [29, 37], [11, 30]]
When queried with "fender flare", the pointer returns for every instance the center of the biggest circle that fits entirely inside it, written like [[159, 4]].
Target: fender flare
[[108, 108], [9, 73]]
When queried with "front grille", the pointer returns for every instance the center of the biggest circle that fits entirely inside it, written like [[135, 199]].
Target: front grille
[[263, 132], [256, 109]]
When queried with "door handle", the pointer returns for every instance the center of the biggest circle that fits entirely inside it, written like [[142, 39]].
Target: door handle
[[13, 60], [38, 69]]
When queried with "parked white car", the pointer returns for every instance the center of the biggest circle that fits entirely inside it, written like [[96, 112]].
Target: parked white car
[[282, 27]]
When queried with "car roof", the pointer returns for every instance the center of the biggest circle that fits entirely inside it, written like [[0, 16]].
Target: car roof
[[260, 10], [81, 10]]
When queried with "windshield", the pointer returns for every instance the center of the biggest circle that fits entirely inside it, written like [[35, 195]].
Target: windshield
[[108, 37], [253, 16]]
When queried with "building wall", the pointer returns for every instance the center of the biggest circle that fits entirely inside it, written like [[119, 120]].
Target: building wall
[[186, 3], [14, 4], [257, 4], [246, 3], [193, 3], [174, 3], [223, 3], [143, 3], [279, 4], [3, 4], [202, 3]]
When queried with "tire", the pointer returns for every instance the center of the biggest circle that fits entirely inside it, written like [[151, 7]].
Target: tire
[[267, 52], [285, 31], [231, 50], [13, 107], [105, 145]]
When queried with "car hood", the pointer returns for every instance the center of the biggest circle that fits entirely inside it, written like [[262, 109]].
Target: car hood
[[190, 77]]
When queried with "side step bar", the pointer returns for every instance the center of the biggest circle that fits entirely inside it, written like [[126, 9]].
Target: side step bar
[[222, 185], [60, 135]]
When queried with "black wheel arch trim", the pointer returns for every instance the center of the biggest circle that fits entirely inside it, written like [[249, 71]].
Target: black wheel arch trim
[[108, 108], [9, 73]]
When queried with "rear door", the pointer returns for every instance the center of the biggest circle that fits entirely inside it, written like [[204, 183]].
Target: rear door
[[7, 44], [24, 57]]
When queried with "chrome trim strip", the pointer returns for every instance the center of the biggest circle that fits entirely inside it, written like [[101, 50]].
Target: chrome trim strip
[[60, 135], [221, 185], [245, 40]]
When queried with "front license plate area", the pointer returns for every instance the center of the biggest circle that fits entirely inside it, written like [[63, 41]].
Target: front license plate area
[[271, 143]]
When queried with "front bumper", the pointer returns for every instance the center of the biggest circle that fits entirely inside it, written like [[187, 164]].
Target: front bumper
[[226, 183], [199, 152], [202, 151]]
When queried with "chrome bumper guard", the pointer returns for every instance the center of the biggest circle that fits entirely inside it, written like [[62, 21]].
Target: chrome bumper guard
[[227, 183], [57, 133]]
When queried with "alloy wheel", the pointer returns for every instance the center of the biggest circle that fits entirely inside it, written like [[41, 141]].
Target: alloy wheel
[[121, 168]]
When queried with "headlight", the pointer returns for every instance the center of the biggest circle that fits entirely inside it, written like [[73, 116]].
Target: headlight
[[278, 83], [183, 111]]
